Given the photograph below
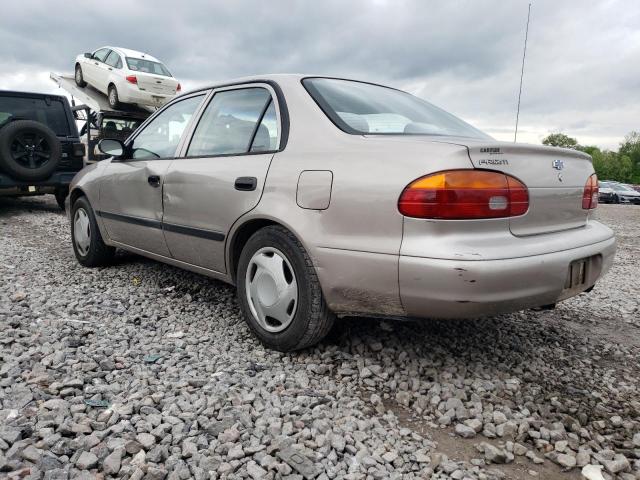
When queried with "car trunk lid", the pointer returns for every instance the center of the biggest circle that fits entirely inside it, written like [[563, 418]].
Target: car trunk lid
[[157, 84], [555, 178]]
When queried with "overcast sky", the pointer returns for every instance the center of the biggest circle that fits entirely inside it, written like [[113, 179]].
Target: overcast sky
[[582, 74]]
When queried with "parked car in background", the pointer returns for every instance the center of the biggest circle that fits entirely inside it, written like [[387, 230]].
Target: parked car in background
[[323, 197], [623, 193], [606, 193], [126, 76], [40, 151]]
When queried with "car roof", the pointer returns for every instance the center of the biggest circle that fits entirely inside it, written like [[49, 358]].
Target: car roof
[[279, 78], [127, 52], [15, 93]]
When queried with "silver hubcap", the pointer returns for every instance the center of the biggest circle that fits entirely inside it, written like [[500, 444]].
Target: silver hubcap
[[78, 75], [272, 290], [82, 231], [112, 96]]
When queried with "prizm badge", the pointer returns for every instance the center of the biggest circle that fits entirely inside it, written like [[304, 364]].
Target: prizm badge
[[558, 164], [493, 161]]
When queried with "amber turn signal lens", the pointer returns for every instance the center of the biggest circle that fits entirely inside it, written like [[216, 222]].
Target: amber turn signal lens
[[590, 193], [463, 195]]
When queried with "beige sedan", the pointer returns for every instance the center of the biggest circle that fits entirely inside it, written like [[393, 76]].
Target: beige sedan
[[321, 198]]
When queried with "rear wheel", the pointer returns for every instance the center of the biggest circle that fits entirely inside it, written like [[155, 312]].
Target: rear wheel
[[88, 246], [79, 77], [114, 101], [616, 199], [279, 292]]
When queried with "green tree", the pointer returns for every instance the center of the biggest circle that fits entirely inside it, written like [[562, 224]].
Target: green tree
[[559, 139], [631, 148]]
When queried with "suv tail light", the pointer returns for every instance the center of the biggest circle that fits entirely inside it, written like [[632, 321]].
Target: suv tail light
[[590, 194], [132, 79], [464, 194], [178, 88]]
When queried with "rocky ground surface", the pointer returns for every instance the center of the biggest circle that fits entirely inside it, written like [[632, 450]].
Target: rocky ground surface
[[141, 370]]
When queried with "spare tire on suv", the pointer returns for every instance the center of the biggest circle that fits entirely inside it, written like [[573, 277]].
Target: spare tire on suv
[[29, 150]]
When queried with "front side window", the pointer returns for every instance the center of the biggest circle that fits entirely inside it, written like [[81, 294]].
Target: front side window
[[147, 66], [362, 108], [101, 54], [160, 138], [228, 125]]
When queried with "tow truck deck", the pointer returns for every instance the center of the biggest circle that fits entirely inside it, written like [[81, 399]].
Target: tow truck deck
[[100, 120]]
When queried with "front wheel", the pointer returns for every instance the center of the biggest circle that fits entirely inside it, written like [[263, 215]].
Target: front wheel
[[79, 77], [90, 249], [279, 292], [616, 199], [114, 101]]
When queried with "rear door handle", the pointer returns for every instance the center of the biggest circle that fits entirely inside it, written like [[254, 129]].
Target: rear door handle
[[154, 180], [246, 184]]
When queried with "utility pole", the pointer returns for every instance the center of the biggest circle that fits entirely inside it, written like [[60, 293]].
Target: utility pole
[[524, 54]]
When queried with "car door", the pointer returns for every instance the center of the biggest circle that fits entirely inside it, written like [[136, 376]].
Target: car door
[[131, 188], [111, 66], [91, 69], [221, 174]]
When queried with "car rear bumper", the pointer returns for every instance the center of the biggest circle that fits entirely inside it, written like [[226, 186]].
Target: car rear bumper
[[10, 186], [449, 288], [132, 94]]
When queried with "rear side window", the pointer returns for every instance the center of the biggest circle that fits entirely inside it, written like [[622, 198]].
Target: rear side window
[[49, 111], [113, 60], [231, 122]]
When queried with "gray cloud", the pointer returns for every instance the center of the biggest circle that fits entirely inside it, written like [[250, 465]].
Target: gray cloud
[[582, 73]]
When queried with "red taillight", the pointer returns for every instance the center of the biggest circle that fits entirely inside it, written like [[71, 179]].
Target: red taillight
[[178, 88], [590, 194], [132, 79], [464, 194]]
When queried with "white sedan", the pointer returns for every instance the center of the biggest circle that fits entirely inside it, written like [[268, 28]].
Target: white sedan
[[126, 76]]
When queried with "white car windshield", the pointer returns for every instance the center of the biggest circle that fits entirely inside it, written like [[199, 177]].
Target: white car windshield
[[364, 108], [147, 66]]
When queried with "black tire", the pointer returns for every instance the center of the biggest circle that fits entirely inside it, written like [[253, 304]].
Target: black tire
[[61, 195], [114, 100], [313, 319], [29, 150], [79, 77], [98, 253], [616, 199]]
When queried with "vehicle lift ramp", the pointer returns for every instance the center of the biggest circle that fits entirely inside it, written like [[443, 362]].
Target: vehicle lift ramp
[[92, 102]]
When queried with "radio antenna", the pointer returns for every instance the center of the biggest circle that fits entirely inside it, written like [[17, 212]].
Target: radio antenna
[[524, 54]]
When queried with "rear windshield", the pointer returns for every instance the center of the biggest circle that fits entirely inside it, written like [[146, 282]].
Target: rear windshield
[[363, 108], [147, 66], [49, 111]]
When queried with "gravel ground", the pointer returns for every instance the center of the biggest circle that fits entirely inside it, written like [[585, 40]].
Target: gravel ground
[[142, 370]]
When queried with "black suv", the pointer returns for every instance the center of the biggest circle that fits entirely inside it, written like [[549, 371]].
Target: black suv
[[40, 151]]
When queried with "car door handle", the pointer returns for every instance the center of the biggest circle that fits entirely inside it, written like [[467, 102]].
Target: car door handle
[[246, 184], [96, 63], [154, 180], [110, 68]]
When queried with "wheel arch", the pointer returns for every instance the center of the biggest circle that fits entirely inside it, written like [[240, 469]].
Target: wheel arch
[[241, 233]]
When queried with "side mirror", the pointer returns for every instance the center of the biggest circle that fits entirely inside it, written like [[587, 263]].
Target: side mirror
[[111, 147], [88, 55]]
